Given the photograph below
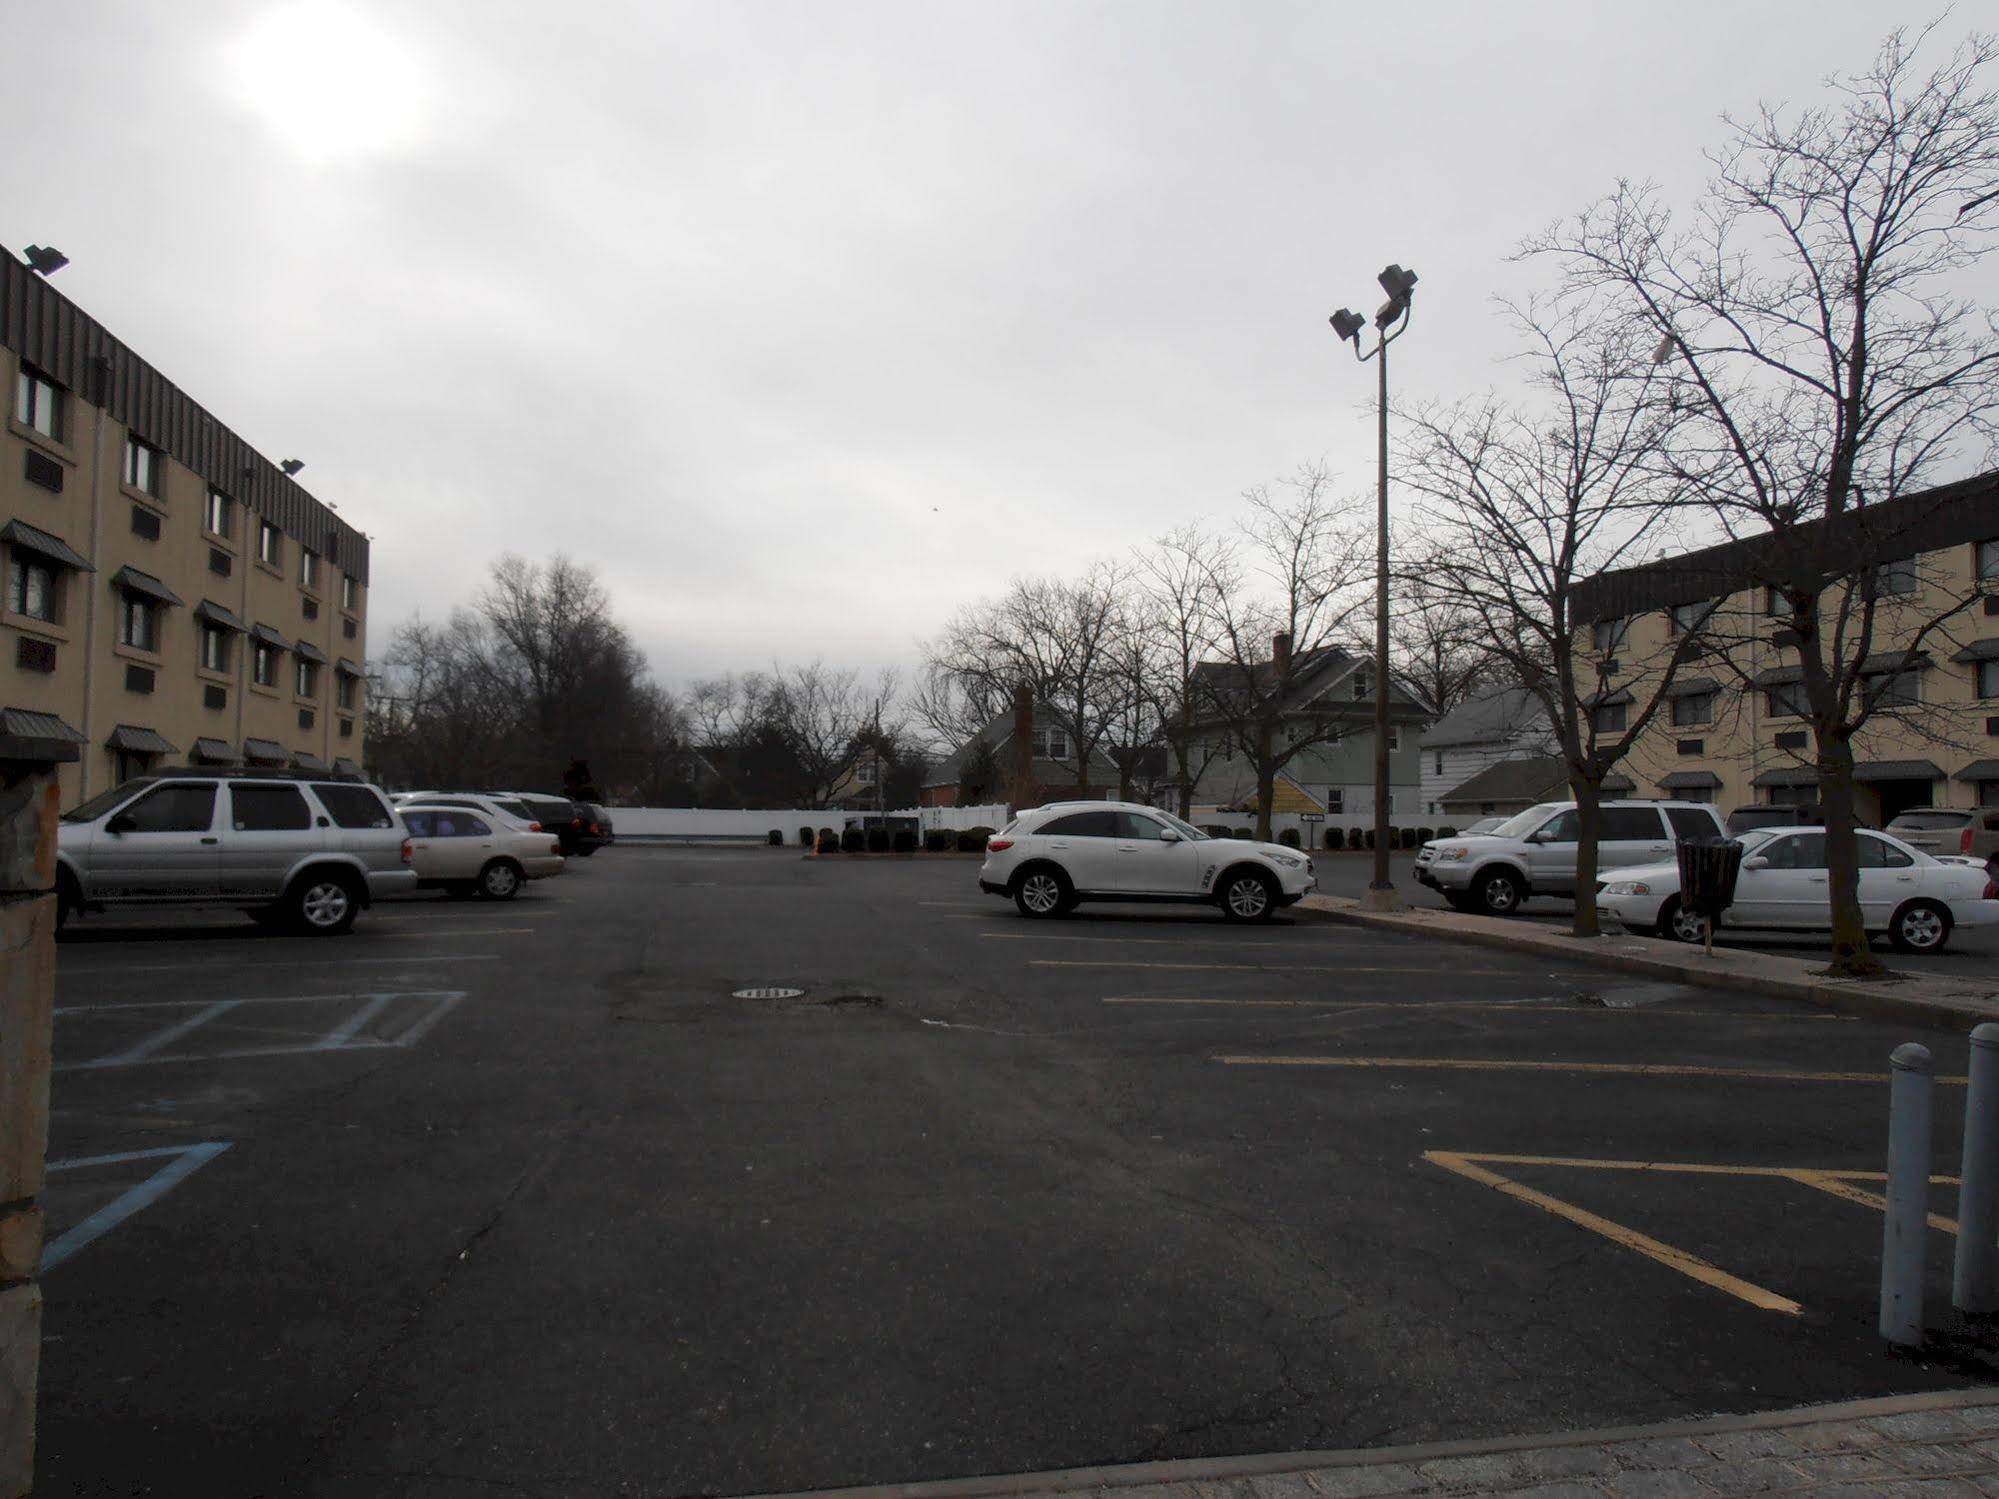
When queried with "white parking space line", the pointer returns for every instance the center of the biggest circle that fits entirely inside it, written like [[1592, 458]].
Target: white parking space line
[[1195, 938], [111, 970], [165, 1038], [426, 1007], [182, 1162], [1264, 967], [343, 1033]]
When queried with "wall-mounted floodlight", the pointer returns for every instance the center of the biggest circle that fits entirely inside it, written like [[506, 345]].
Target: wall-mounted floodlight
[[45, 260], [1348, 323], [292, 466]]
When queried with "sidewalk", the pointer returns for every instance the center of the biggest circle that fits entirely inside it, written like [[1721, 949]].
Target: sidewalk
[[1934, 1446], [1955, 1004]]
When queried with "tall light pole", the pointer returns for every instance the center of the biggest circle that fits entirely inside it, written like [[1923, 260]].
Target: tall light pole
[[1391, 321]]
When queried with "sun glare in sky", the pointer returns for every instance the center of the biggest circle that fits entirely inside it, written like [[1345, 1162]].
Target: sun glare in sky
[[328, 80]]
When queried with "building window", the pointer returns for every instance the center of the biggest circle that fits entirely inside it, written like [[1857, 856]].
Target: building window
[[138, 623], [343, 697], [1694, 708], [214, 648], [1439, 763], [308, 678], [38, 403], [1988, 679], [1988, 561], [1788, 700], [308, 567], [1988, 796], [1394, 737], [1775, 604], [270, 545], [1609, 718], [31, 587], [1897, 577], [350, 593], [142, 466], [1901, 689], [265, 665], [1360, 685], [217, 518], [1336, 800], [1684, 619], [1051, 744], [1606, 635]]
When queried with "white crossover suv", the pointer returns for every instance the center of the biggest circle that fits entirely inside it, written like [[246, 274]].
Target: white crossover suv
[[1534, 852], [1049, 858]]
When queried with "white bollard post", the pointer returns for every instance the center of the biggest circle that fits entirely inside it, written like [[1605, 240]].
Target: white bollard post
[[1974, 1285], [1905, 1226]]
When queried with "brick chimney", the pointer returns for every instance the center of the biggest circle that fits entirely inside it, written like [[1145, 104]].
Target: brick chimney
[[1280, 653], [1021, 758]]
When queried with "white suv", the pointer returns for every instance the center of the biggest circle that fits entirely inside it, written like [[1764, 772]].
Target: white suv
[[1534, 852], [1051, 857]]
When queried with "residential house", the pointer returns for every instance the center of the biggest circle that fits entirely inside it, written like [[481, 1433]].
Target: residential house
[[1053, 764], [1734, 734], [1508, 786], [1504, 724]]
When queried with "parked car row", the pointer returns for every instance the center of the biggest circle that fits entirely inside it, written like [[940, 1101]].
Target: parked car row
[[301, 850]]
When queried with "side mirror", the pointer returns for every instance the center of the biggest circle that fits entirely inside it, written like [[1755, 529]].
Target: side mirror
[[1756, 861], [1168, 835], [122, 823]]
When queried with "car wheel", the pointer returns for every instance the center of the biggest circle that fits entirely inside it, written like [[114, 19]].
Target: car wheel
[[1041, 893], [1920, 926], [500, 880], [1500, 893], [324, 904], [1678, 924], [1247, 896]]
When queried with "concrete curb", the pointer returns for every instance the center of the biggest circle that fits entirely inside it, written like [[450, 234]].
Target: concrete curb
[[1921, 1001], [1263, 1465]]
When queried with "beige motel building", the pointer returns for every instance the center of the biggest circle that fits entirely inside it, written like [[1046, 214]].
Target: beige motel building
[[1731, 732], [171, 595]]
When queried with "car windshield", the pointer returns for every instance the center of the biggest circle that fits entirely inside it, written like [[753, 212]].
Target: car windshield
[[1185, 829], [1919, 820], [1520, 824], [104, 801], [1754, 836]]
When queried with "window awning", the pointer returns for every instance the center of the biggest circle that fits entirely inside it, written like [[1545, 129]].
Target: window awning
[[1979, 650], [1619, 785], [139, 741], [266, 752], [1609, 699], [215, 614], [265, 635], [213, 752], [133, 581], [1687, 780], [1897, 770], [1693, 687], [307, 651], [346, 668], [28, 735], [1881, 663], [306, 760], [1980, 770], [1801, 775], [27, 538], [1779, 676]]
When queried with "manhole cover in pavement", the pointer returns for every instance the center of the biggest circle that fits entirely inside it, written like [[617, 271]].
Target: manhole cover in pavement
[[768, 993]]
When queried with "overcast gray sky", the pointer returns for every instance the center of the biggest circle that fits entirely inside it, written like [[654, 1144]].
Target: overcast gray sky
[[803, 322]]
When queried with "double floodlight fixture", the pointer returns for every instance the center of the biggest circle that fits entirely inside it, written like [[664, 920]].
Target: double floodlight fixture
[[292, 466], [44, 260], [1399, 284]]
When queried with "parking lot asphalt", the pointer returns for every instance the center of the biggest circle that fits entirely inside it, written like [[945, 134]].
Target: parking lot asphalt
[[1973, 951], [519, 1197]]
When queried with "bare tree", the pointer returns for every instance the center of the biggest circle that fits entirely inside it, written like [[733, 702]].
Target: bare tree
[[1439, 644], [1182, 578], [1809, 314], [824, 715], [1293, 574], [1523, 505]]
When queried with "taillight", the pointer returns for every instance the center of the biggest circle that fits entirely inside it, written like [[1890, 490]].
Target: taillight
[[1964, 840], [595, 829], [534, 827], [407, 851], [998, 845], [1991, 891]]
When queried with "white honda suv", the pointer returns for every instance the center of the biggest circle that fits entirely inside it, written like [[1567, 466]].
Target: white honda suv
[[1049, 858]]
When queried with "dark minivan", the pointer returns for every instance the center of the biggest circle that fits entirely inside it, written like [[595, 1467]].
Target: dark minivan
[[583, 827]]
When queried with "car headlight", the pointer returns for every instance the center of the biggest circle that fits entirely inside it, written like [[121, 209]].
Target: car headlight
[[1452, 854], [1627, 887], [1289, 861]]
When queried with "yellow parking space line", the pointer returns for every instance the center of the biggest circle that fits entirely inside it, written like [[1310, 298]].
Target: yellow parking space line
[[1537, 1006], [1665, 1254], [1840, 1184], [1252, 967], [1228, 936], [1584, 1069]]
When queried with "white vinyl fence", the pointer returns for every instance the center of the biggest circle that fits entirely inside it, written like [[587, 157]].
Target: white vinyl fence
[[732, 825]]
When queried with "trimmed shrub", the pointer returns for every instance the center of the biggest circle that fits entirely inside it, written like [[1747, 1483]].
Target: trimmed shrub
[[1289, 838], [1424, 835], [1447, 832], [905, 841], [937, 841], [852, 841], [829, 841], [1335, 838], [776, 838], [1214, 830], [805, 838], [1406, 837], [1369, 836], [1359, 838], [878, 840], [1245, 834], [973, 840]]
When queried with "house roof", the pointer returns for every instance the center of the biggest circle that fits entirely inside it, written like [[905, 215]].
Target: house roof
[[1530, 778], [1233, 789], [998, 733], [1491, 718]]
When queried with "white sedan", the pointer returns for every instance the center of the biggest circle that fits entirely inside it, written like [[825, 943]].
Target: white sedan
[[1915, 899], [464, 852]]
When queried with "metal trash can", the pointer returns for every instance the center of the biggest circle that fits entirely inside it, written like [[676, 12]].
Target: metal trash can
[[1708, 868]]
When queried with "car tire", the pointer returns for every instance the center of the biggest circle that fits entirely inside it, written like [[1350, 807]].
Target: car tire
[[1678, 924], [68, 899], [584, 853], [1921, 926], [501, 879], [1500, 893], [1042, 891], [1247, 895], [323, 903]]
